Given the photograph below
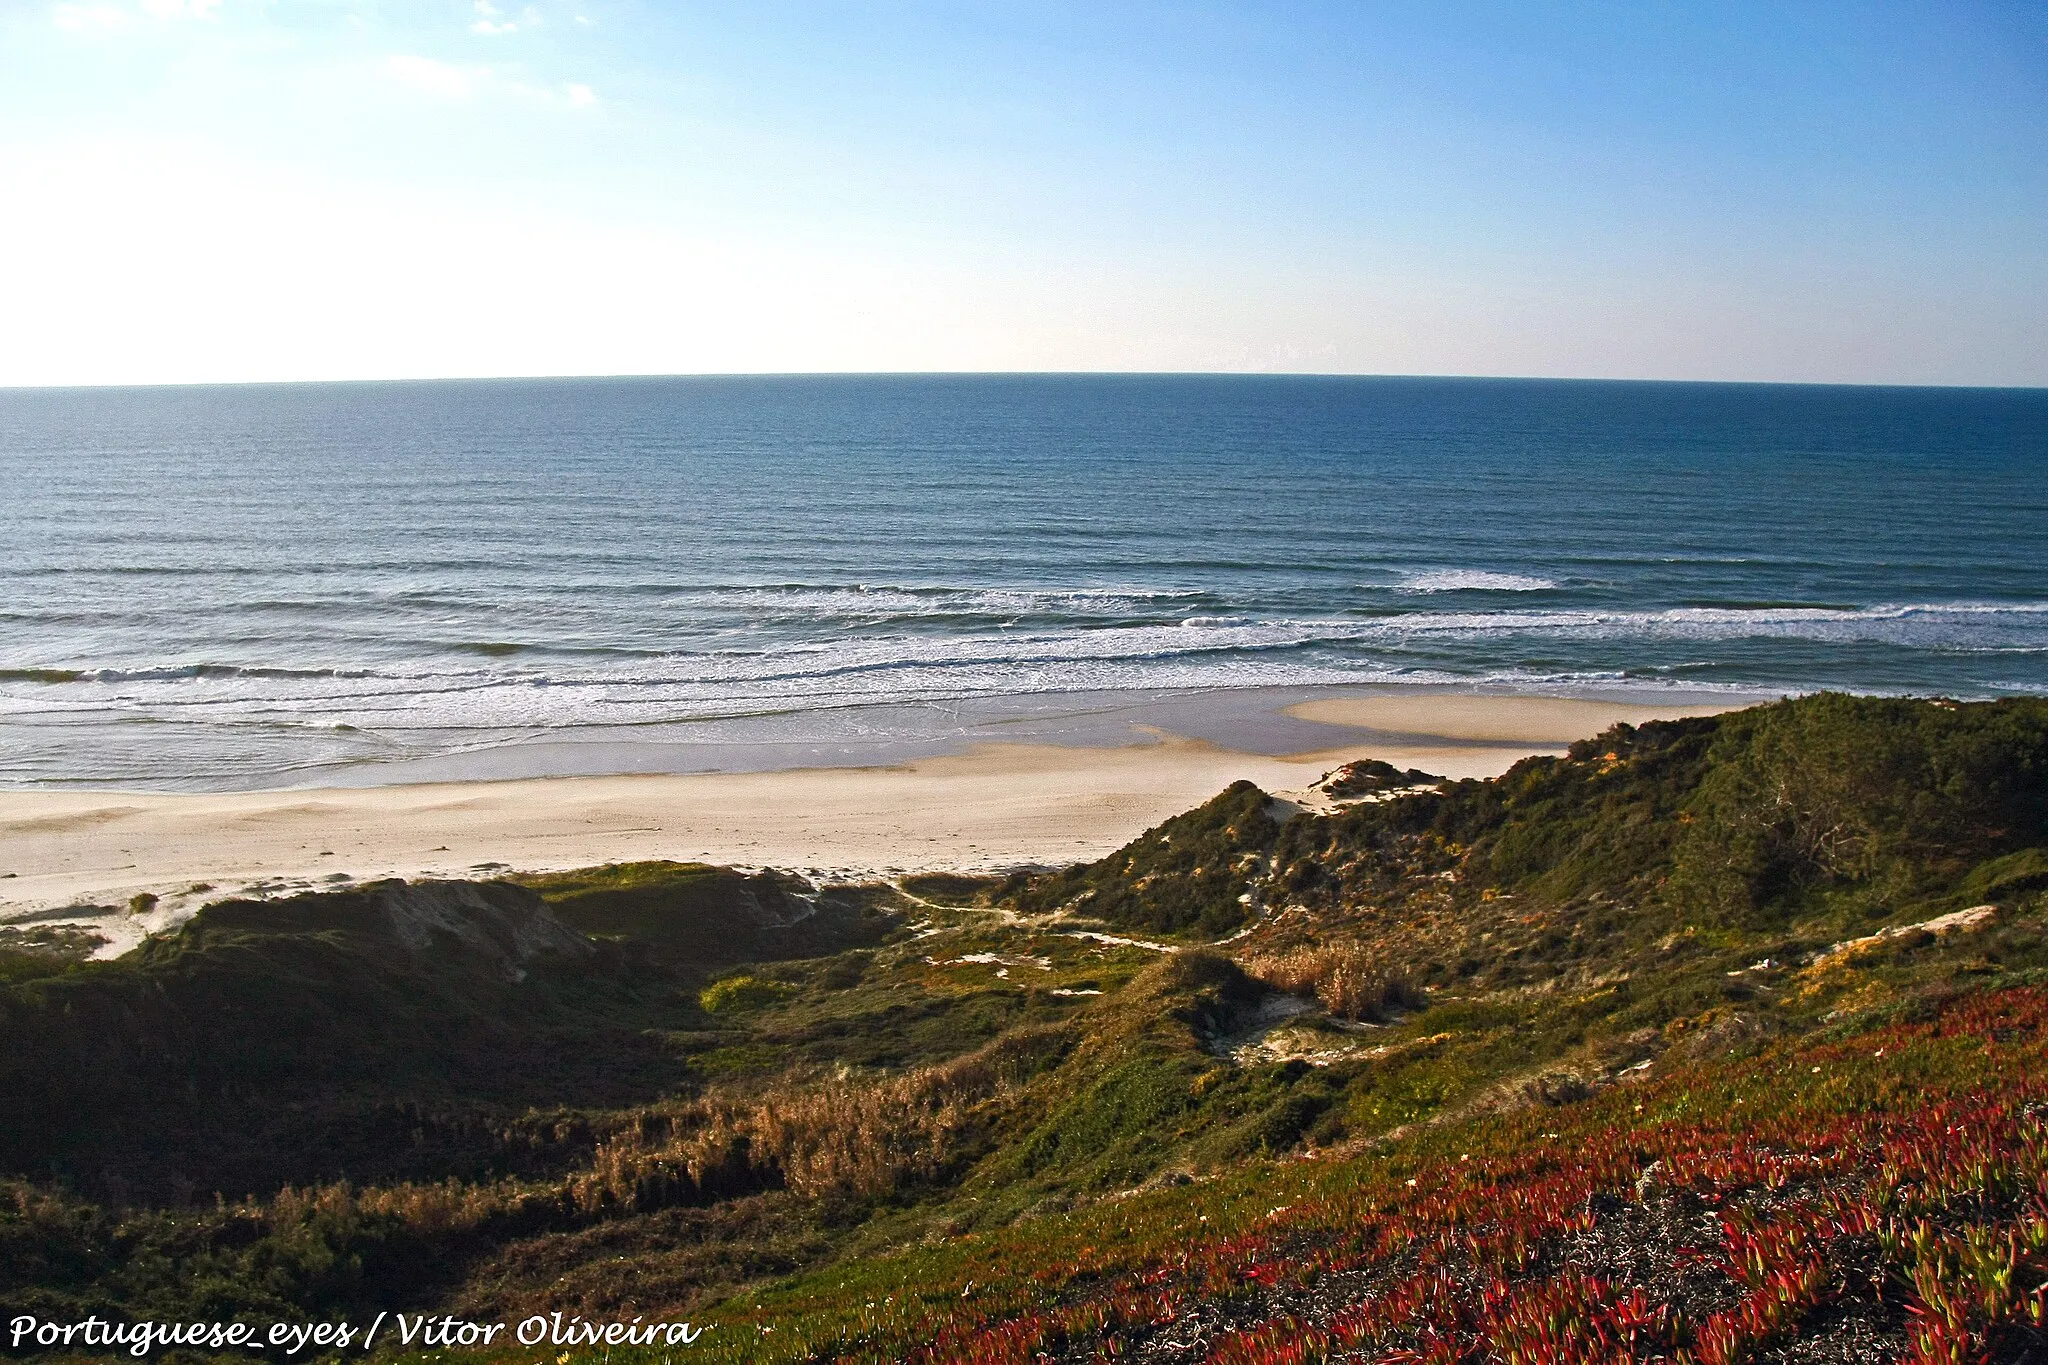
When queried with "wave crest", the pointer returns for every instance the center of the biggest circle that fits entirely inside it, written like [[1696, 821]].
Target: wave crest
[[1474, 580]]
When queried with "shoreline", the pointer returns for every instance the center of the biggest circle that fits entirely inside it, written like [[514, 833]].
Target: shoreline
[[1273, 721], [988, 807]]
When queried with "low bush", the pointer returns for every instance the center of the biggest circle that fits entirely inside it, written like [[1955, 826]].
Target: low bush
[[743, 992], [1344, 977]]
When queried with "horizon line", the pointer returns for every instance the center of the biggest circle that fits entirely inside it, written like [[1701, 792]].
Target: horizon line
[[1003, 374]]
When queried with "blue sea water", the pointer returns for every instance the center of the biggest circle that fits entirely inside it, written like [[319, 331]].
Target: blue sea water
[[241, 586]]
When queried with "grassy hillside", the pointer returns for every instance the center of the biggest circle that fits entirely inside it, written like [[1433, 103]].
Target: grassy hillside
[[381, 1032], [1648, 1028], [1874, 1192]]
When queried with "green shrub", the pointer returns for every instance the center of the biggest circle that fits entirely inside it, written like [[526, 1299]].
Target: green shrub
[[1195, 873], [736, 993]]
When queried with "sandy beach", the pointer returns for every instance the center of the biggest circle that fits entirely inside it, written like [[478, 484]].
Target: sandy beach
[[994, 806], [1430, 720]]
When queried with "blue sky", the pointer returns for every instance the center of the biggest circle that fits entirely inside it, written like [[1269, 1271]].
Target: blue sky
[[284, 189]]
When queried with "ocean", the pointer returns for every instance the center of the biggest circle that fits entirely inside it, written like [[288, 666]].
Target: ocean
[[250, 586]]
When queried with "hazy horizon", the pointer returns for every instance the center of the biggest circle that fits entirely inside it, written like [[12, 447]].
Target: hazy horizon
[[999, 374]]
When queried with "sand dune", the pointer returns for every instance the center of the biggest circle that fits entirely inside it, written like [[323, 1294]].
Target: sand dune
[[996, 806]]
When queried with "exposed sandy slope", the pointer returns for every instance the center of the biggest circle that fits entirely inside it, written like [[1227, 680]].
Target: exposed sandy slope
[[992, 807]]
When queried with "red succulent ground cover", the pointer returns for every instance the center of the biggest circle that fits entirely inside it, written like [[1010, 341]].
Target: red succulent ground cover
[[1883, 1195]]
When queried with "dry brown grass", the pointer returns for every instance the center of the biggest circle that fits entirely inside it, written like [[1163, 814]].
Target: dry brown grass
[[431, 1209], [834, 1136], [837, 1135], [1347, 979]]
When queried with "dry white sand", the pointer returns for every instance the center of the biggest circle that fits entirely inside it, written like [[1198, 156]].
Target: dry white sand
[[996, 806], [1529, 724]]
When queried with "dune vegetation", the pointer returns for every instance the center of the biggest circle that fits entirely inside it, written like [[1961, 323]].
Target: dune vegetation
[[1718, 1039]]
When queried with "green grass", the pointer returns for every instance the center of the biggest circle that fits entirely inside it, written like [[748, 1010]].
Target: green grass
[[654, 1123]]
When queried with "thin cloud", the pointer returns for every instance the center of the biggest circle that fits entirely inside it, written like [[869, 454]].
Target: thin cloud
[[491, 22], [571, 94], [88, 18], [457, 82], [442, 80]]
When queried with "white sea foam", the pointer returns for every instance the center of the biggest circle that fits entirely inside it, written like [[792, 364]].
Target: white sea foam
[[1473, 580], [830, 602], [510, 695]]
